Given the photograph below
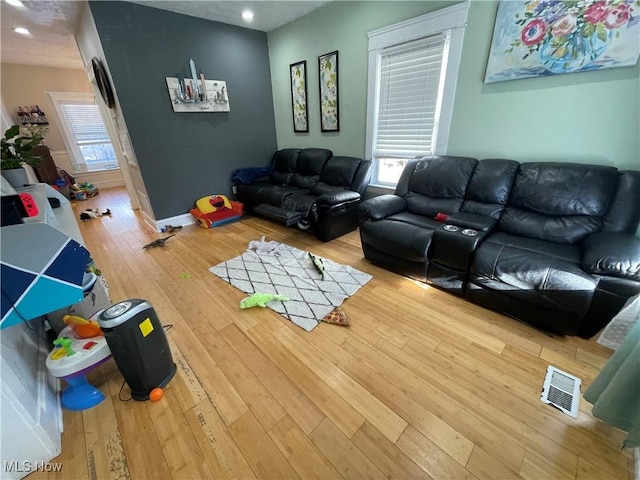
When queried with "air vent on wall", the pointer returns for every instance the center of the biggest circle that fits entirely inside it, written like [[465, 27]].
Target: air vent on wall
[[562, 390]]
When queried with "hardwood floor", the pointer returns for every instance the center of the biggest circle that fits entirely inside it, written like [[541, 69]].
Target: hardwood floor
[[421, 385]]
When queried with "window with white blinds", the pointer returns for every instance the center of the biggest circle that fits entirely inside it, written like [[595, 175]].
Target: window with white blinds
[[409, 96], [413, 68], [88, 141], [85, 123]]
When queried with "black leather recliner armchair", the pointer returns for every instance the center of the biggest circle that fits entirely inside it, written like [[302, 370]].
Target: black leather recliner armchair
[[551, 244], [313, 184]]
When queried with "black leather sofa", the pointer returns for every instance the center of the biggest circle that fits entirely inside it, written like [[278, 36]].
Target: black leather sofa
[[310, 183], [551, 244]]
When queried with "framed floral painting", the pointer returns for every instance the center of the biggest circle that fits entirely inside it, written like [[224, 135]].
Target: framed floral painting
[[298, 72], [550, 37], [328, 77]]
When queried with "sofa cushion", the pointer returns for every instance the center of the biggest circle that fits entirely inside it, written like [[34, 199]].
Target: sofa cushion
[[569, 229], [324, 189], [417, 220], [534, 271], [311, 161], [442, 177], [430, 207], [399, 238], [307, 182], [619, 217], [284, 165], [275, 194], [299, 202], [280, 178], [564, 188], [286, 160], [559, 202], [250, 193], [489, 187], [438, 184], [309, 166], [612, 253], [340, 171]]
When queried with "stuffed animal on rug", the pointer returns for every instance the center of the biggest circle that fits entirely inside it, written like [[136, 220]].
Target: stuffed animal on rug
[[317, 263], [261, 247], [337, 316], [91, 213], [260, 300]]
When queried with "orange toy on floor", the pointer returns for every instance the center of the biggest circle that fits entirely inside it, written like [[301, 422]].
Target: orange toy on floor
[[216, 210]]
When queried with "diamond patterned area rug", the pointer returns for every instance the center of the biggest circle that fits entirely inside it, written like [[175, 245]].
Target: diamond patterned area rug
[[291, 273]]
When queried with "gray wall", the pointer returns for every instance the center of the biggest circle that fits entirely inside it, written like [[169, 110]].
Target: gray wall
[[184, 156]]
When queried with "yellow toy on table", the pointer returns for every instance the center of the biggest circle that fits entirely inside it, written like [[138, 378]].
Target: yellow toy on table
[[81, 327]]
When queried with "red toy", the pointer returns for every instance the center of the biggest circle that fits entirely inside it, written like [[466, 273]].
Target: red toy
[[216, 210]]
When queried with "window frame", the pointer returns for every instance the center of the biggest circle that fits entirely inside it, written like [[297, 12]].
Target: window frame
[[73, 149], [451, 22]]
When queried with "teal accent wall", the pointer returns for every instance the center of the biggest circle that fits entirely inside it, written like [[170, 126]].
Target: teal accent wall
[[587, 117]]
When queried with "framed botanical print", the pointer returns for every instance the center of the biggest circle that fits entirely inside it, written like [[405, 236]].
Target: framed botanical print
[[298, 73], [328, 79]]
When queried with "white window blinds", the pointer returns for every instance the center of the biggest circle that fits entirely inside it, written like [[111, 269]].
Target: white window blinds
[[85, 123], [409, 98]]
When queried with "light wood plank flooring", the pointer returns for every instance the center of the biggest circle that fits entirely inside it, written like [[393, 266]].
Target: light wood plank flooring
[[421, 385]]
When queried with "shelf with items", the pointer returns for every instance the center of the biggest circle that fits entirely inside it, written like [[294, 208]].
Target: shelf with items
[[32, 115]]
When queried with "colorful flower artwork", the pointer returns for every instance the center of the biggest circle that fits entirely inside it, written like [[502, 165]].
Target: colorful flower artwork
[[298, 73], [328, 76], [549, 37]]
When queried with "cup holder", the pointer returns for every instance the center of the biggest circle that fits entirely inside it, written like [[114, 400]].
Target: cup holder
[[469, 232], [450, 228]]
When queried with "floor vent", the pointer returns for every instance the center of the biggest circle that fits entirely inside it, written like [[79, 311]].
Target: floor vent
[[561, 390]]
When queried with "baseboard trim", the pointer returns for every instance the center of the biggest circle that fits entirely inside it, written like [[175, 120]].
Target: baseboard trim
[[177, 221]]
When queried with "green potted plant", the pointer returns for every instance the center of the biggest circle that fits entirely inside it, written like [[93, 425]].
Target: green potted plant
[[17, 149]]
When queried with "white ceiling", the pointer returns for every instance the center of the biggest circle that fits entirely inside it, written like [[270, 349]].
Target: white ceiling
[[53, 22], [51, 42]]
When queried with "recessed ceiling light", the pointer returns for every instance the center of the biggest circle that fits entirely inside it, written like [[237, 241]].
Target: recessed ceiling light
[[247, 15], [21, 30], [15, 3]]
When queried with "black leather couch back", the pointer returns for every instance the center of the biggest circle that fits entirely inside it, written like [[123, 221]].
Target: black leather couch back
[[362, 177], [624, 212], [559, 202], [436, 184], [345, 173], [490, 186], [284, 165], [340, 170], [310, 164]]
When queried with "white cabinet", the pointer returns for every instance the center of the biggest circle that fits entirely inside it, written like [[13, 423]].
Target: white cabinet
[[31, 416]]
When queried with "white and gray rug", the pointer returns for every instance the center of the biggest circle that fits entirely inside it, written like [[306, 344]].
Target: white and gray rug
[[292, 274]]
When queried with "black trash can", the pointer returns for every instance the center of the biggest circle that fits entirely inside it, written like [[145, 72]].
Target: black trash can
[[139, 346]]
